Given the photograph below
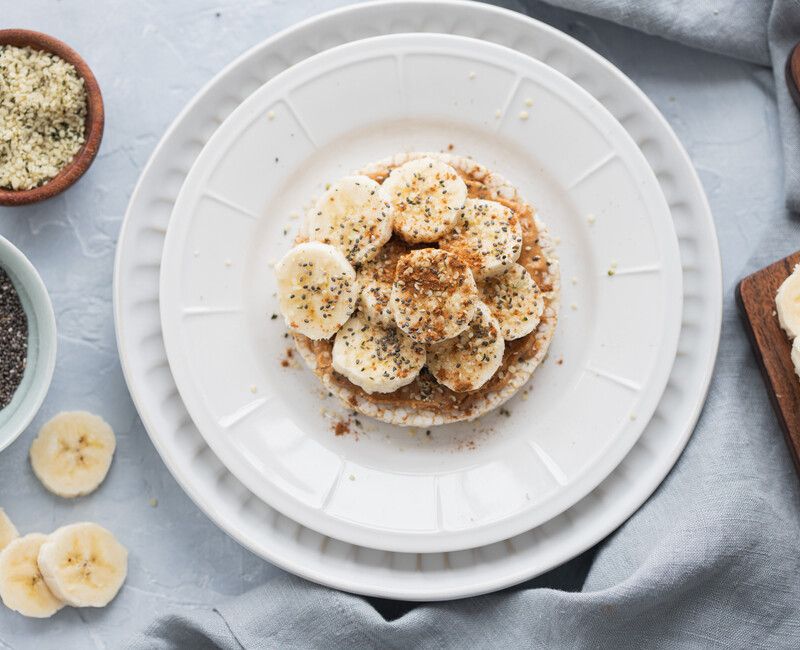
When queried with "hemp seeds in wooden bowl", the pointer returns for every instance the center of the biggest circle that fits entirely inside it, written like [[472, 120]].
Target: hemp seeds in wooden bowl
[[51, 117]]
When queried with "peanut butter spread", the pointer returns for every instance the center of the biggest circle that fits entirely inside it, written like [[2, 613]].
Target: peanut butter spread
[[425, 393]]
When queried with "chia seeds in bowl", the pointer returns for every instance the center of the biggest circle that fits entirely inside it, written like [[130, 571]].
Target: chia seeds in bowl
[[13, 339], [27, 342]]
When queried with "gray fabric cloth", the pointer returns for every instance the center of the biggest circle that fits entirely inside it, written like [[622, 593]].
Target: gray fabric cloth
[[760, 31], [711, 560], [784, 32]]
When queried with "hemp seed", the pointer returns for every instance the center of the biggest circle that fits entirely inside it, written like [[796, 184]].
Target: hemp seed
[[43, 109]]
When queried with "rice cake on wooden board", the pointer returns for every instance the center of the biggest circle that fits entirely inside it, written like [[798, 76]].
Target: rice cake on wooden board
[[772, 347]]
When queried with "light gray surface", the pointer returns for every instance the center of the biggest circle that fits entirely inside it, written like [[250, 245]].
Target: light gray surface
[[150, 58]]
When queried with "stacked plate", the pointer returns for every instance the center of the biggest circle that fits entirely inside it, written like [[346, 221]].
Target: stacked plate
[[394, 512]]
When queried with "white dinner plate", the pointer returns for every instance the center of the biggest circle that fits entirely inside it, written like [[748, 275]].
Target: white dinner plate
[[467, 484], [291, 546]]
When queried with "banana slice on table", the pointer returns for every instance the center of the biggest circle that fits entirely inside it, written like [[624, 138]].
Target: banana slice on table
[[488, 236], [434, 295], [468, 361], [515, 301], [376, 358], [8, 531], [427, 196], [83, 564], [317, 289], [72, 453], [22, 586], [353, 216], [787, 302]]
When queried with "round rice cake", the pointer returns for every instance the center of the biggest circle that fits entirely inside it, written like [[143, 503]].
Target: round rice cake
[[425, 402]]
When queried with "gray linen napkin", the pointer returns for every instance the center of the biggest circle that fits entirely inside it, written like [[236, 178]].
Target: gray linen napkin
[[760, 31], [710, 560]]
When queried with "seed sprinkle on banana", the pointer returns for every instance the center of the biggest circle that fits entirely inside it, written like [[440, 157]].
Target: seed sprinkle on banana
[[353, 216], [488, 237], [434, 295], [427, 196], [376, 358]]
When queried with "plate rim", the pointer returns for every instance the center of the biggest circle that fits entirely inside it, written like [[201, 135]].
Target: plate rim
[[286, 557], [362, 534]]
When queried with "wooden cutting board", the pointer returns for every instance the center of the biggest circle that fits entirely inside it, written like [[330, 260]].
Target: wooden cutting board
[[756, 298]]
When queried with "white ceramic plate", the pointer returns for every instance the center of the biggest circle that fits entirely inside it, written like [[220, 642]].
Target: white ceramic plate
[[320, 120], [433, 576]]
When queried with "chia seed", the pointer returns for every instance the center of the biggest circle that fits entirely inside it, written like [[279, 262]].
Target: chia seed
[[13, 340]]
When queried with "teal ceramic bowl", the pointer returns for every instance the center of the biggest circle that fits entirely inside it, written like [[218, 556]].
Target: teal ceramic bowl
[[41, 344]]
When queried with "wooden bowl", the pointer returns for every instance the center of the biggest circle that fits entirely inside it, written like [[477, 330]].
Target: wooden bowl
[[95, 118], [793, 74]]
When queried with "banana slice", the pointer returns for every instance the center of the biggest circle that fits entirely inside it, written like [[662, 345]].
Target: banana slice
[[8, 531], [317, 289], [488, 237], [376, 303], [376, 358], [787, 303], [427, 196], [72, 453], [353, 216], [83, 564], [434, 295], [22, 586], [468, 361], [375, 278], [515, 301]]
